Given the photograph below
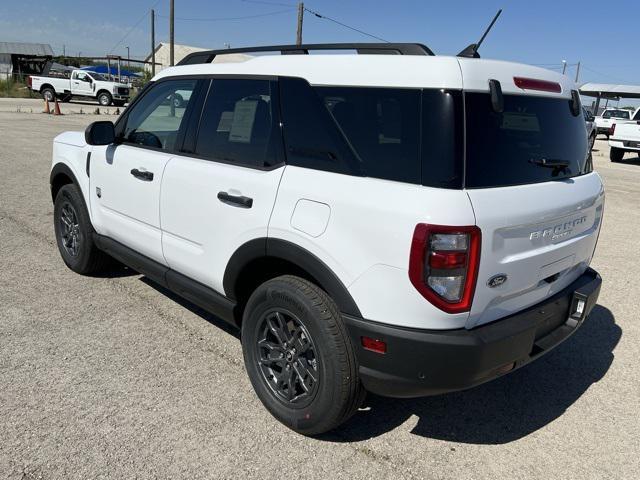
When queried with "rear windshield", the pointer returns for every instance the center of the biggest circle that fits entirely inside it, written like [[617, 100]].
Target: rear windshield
[[616, 114], [520, 144]]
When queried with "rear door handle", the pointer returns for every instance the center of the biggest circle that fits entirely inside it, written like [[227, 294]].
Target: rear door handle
[[235, 200], [142, 175]]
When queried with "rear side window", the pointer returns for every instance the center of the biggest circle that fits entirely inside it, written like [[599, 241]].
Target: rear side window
[[239, 123], [508, 148], [383, 127], [311, 137]]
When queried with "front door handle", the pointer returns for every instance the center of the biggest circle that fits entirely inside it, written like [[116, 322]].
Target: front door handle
[[142, 175], [235, 200]]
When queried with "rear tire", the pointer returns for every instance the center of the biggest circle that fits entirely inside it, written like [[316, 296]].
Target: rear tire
[[105, 99], [616, 154], [48, 94], [119, 103], [299, 357], [74, 233]]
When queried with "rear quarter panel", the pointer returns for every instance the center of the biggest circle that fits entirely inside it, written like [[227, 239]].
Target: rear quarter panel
[[364, 236]]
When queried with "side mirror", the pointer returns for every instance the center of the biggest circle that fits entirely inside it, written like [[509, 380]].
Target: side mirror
[[100, 133]]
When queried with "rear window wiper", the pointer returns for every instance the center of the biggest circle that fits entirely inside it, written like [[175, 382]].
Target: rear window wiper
[[550, 163], [557, 165]]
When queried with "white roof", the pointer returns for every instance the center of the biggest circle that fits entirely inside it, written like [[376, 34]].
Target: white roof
[[610, 90], [408, 71]]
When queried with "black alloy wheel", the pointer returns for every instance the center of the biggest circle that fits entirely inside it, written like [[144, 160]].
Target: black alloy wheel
[[286, 357]]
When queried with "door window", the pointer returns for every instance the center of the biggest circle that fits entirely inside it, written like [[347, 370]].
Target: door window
[[156, 119], [240, 123]]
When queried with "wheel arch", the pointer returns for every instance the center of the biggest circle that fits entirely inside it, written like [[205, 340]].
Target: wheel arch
[[61, 175], [261, 259], [46, 86]]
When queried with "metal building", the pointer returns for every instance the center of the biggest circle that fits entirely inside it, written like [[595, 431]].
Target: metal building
[[23, 58]]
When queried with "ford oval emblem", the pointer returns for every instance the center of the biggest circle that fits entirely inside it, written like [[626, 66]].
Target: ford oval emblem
[[497, 280]]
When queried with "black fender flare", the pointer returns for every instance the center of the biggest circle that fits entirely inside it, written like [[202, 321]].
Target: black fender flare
[[290, 252], [60, 168]]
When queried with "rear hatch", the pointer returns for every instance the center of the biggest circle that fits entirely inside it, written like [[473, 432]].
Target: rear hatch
[[527, 174]]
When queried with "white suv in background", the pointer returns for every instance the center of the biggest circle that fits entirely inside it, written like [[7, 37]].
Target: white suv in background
[[405, 224]]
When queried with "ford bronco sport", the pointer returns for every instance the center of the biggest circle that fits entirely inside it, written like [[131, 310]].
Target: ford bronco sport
[[399, 223]]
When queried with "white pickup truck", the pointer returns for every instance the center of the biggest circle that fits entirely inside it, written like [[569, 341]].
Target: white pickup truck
[[81, 84], [624, 136], [609, 117]]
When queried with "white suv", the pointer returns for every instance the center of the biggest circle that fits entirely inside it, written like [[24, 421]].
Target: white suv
[[405, 224]]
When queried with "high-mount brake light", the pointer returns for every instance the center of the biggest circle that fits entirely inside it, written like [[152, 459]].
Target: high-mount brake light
[[536, 84], [443, 265]]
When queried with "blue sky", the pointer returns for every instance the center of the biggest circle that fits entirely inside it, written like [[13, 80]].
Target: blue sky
[[532, 31]]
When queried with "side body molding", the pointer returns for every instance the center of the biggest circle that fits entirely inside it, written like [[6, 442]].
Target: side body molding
[[283, 250]]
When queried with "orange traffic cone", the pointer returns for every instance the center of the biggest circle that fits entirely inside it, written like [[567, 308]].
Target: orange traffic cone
[[56, 108], [46, 106]]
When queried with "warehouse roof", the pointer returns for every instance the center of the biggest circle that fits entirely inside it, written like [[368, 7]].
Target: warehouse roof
[[14, 48]]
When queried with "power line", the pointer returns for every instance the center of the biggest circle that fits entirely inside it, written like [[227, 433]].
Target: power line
[[262, 2], [222, 19], [345, 25], [134, 26], [605, 74]]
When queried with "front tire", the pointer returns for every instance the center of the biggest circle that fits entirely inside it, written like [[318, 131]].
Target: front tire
[[616, 154], [119, 103], [74, 233], [299, 357], [105, 99]]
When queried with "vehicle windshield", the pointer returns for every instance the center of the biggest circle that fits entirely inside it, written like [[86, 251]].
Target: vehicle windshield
[[98, 76], [535, 139], [625, 114]]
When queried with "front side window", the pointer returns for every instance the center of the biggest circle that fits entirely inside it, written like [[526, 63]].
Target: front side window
[[240, 123], [156, 119]]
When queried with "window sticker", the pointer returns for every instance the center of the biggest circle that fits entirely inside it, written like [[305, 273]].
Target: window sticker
[[244, 116], [527, 122], [226, 119]]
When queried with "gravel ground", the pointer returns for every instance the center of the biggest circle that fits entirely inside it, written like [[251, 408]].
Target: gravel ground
[[115, 378]]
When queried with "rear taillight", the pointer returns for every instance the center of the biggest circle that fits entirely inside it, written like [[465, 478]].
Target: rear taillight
[[29, 83], [443, 265], [612, 129]]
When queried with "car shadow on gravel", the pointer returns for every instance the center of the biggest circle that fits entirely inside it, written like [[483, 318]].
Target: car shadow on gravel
[[212, 319], [506, 409]]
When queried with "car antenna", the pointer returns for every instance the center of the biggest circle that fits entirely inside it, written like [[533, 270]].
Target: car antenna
[[472, 50]]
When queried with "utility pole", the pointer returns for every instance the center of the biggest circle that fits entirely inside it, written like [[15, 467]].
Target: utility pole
[[578, 72], [64, 50], [564, 66], [153, 42], [300, 18], [128, 58], [171, 32]]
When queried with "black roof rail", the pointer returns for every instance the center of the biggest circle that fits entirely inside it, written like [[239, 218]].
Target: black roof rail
[[207, 56]]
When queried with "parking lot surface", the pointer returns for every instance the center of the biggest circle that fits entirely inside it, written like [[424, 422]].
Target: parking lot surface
[[114, 377]]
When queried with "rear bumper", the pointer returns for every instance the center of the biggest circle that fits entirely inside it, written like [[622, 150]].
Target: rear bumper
[[428, 362], [624, 144]]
